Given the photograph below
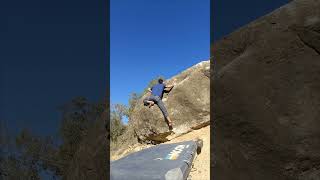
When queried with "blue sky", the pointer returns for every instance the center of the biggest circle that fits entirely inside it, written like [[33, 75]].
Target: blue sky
[[51, 52], [151, 38]]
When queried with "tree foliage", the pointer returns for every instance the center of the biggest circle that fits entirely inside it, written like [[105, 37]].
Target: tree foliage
[[30, 155], [133, 100], [117, 113], [34, 154]]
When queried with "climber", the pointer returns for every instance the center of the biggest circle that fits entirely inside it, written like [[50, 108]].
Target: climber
[[156, 98]]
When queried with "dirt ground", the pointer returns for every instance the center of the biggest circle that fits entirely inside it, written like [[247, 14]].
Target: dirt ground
[[201, 165]]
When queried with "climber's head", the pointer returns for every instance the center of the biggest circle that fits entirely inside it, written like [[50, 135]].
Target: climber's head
[[160, 81]]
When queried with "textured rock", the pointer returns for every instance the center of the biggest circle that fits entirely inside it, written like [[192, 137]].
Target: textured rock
[[187, 104], [266, 97]]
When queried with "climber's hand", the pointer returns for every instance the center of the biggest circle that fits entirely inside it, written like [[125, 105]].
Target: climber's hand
[[169, 86]]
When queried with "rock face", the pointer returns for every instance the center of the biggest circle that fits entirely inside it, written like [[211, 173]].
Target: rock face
[[266, 97], [187, 104]]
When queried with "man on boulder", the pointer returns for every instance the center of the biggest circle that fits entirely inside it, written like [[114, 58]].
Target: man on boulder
[[156, 98]]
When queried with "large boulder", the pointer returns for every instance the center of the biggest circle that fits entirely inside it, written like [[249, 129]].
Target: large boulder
[[187, 104], [266, 97]]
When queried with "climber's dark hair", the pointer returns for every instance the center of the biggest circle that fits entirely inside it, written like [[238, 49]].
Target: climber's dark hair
[[160, 81]]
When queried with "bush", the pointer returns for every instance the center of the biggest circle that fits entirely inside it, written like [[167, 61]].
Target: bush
[[118, 111]]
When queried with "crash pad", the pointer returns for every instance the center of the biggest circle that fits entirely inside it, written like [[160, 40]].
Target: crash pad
[[161, 162]]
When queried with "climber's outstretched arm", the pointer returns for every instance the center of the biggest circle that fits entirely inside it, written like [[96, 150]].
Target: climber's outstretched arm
[[168, 87]]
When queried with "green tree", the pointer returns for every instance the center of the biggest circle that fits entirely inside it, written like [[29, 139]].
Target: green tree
[[133, 100], [28, 157], [117, 128], [32, 154], [78, 117]]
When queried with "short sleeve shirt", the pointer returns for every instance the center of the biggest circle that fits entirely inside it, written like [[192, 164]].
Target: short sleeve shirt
[[157, 90]]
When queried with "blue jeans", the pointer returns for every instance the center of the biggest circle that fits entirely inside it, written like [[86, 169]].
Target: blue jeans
[[157, 100]]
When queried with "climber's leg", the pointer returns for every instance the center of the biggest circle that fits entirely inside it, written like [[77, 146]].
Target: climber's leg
[[151, 103], [148, 101], [164, 111], [170, 124]]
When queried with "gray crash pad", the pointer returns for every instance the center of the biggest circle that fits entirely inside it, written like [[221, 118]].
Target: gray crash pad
[[161, 162]]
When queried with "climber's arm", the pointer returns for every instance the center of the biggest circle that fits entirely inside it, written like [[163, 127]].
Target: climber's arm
[[168, 87]]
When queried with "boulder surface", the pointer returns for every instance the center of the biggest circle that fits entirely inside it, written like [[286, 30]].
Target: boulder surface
[[266, 97], [188, 105]]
